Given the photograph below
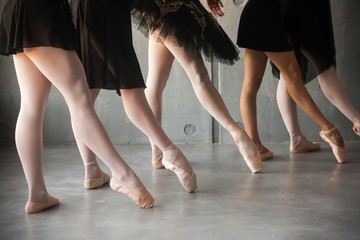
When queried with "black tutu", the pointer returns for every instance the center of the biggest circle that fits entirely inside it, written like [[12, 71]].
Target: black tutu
[[35, 23], [107, 52], [186, 23], [261, 27], [308, 25]]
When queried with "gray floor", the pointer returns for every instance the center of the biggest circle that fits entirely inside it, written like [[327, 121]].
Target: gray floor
[[303, 196]]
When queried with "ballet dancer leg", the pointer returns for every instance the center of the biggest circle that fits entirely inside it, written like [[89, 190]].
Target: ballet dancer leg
[[139, 112], [334, 91], [211, 100], [288, 110], [34, 90], [287, 64], [65, 71], [94, 176], [255, 64], [160, 63]]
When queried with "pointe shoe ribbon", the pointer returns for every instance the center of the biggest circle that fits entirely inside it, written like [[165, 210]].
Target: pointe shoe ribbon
[[31, 207], [339, 152], [143, 200], [303, 145], [157, 158], [187, 180], [356, 126]]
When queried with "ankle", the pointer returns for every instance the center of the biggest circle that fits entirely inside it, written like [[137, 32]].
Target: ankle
[[92, 170], [295, 138], [41, 196]]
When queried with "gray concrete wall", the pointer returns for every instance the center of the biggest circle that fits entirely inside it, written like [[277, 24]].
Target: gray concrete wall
[[182, 109]]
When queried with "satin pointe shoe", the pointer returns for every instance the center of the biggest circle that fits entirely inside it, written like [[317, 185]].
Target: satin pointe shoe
[[254, 162], [31, 207], [143, 200], [187, 179], [265, 153], [157, 157], [356, 126], [338, 151], [96, 182], [303, 145]]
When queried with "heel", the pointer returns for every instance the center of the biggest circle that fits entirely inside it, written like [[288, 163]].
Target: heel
[[339, 152], [356, 126], [143, 200], [157, 157], [303, 145], [187, 180], [93, 183], [31, 207]]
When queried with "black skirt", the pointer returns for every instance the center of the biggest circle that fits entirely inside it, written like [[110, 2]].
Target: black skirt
[[261, 27], [35, 23], [107, 52], [308, 25], [186, 23]]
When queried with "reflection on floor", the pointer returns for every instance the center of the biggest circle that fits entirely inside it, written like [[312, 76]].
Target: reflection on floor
[[302, 196]]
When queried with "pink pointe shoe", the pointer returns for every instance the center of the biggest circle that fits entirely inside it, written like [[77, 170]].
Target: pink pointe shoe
[[187, 179], [143, 200], [96, 182], [31, 207], [303, 145], [157, 156], [265, 153], [338, 151], [254, 162], [356, 126]]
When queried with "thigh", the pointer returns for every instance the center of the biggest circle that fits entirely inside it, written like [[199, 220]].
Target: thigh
[[189, 58], [255, 65], [63, 69], [34, 86], [160, 63], [287, 63]]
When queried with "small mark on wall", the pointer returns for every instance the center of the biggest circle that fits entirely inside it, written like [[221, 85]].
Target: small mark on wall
[[190, 130]]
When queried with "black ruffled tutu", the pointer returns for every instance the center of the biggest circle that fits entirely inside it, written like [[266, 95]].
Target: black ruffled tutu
[[35, 23], [261, 28], [107, 52], [186, 23], [308, 25]]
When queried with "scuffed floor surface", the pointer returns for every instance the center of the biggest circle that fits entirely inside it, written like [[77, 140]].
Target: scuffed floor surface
[[302, 196]]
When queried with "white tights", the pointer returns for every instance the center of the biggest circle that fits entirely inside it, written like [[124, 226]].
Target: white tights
[[37, 69]]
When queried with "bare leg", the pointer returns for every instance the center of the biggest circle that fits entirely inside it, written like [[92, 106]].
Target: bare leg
[[255, 64], [65, 71], [287, 64], [335, 92]]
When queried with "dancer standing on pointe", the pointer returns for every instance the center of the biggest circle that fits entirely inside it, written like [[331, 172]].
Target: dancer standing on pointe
[[308, 24], [183, 30], [41, 37], [262, 35], [108, 56]]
